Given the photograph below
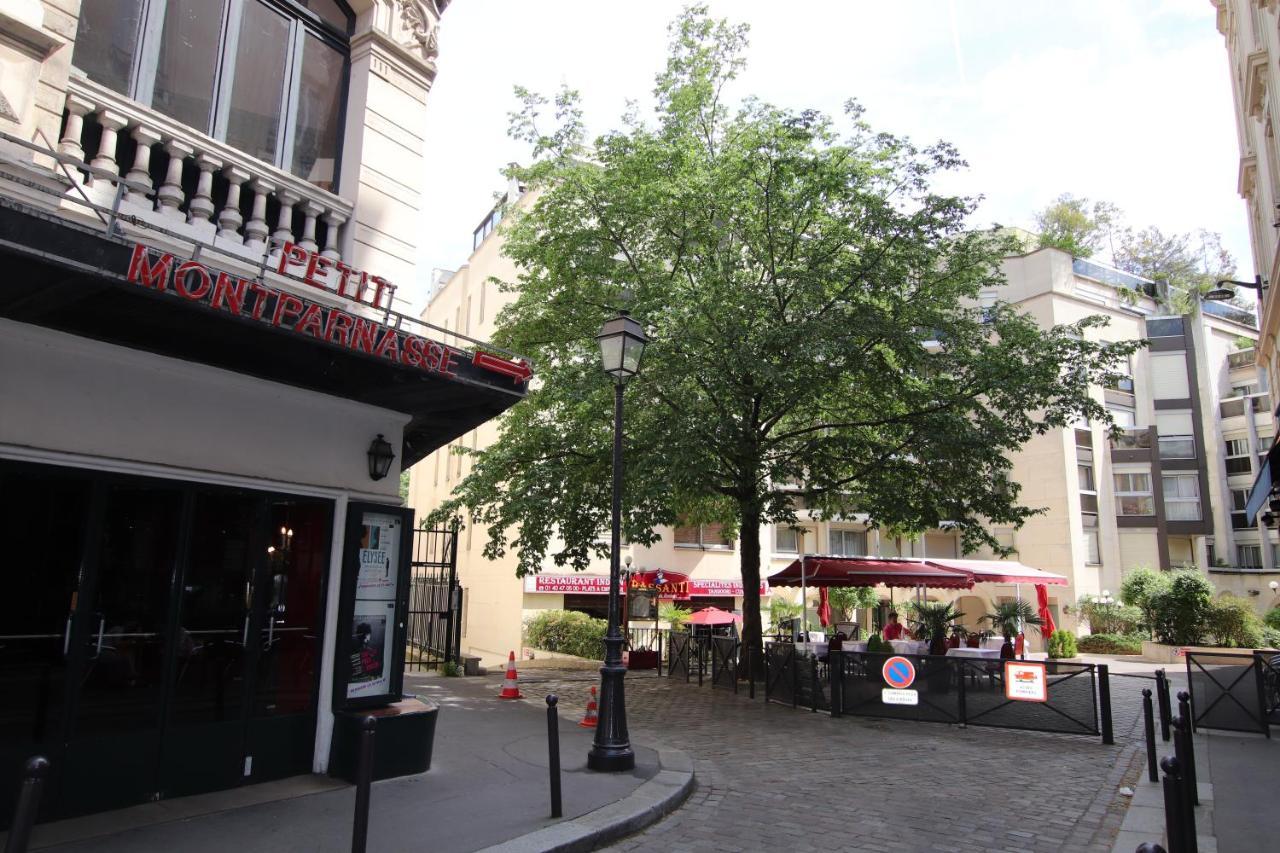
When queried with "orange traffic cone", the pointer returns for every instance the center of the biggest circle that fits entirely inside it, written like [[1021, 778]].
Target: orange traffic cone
[[509, 688], [589, 720]]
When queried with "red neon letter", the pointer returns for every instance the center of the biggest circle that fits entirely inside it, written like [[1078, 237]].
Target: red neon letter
[[314, 263], [143, 273], [285, 303], [229, 295], [203, 281], [291, 254]]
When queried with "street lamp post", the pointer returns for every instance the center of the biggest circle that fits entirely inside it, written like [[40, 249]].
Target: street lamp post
[[621, 342]]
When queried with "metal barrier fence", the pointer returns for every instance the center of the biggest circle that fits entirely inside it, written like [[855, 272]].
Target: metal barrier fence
[[681, 648], [724, 662], [1235, 691]]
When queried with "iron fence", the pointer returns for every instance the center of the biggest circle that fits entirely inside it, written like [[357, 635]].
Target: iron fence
[[680, 655], [434, 630], [1235, 691], [724, 662]]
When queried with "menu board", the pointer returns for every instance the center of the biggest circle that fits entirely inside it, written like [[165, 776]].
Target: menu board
[[372, 632]]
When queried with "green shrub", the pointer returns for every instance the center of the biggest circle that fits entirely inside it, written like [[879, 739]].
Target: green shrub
[[1062, 644], [1110, 618], [875, 644], [1139, 587], [568, 633], [1233, 622], [1272, 619], [1271, 638], [1180, 613], [1111, 644], [450, 669]]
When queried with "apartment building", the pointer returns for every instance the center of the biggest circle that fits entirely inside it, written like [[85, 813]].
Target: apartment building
[[207, 389], [1251, 32]]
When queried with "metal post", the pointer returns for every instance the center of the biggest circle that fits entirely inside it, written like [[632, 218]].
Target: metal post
[[1150, 847], [1162, 697], [453, 630], [658, 634], [1188, 747], [24, 815], [702, 662], [611, 750], [835, 673], [1174, 824], [1263, 716], [553, 753], [1104, 703], [1149, 727], [751, 672], [364, 780], [1184, 708], [736, 660], [815, 686]]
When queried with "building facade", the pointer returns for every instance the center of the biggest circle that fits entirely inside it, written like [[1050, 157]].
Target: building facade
[[207, 389]]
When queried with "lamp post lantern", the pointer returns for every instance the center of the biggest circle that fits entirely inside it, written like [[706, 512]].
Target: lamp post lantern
[[622, 342]]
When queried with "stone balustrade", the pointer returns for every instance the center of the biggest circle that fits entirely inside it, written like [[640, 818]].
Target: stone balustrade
[[198, 184]]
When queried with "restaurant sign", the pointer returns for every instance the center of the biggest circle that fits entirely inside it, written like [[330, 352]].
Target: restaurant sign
[[1025, 682], [675, 585], [251, 299]]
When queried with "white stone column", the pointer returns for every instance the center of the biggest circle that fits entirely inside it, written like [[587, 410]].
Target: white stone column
[[284, 225], [332, 235], [229, 220], [170, 195], [202, 207], [73, 136], [310, 210], [141, 171], [256, 229], [111, 123]]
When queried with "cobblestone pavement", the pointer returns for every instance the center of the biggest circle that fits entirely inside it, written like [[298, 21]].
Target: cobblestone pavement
[[773, 777]]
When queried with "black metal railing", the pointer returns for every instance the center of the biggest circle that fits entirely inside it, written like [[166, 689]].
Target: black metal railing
[[434, 629], [724, 662], [1235, 691]]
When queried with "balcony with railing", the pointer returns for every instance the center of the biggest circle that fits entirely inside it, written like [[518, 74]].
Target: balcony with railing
[[1241, 359], [1234, 313], [1113, 276], [201, 187], [1234, 407], [1131, 439]]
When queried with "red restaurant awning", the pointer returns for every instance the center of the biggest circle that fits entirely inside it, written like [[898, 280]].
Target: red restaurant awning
[[1000, 571], [868, 571]]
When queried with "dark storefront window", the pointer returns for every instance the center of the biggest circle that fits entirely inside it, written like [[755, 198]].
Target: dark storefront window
[[592, 605]]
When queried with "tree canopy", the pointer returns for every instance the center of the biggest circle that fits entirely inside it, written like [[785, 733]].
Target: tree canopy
[[1076, 225], [815, 334]]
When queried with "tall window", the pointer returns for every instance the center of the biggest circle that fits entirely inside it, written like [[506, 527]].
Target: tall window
[[786, 540], [1239, 500], [1088, 489], [847, 543], [1181, 497], [1238, 456], [1089, 538], [265, 76], [1249, 556], [706, 536], [1133, 493]]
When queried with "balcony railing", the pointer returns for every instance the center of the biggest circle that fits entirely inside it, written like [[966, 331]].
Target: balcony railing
[[1231, 312], [1242, 358], [1131, 439], [200, 184], [1233, 407]]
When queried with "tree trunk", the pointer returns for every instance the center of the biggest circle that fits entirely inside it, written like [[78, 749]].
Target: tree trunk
[[749, 540]]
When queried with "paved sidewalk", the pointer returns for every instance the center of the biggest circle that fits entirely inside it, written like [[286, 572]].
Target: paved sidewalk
[[488, 784], [770, 777]]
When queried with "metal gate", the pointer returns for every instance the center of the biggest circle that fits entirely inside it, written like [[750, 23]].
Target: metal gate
[[434, 631]]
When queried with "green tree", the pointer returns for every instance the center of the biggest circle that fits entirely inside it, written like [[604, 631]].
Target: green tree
[[1190, 263], [845, 600], [790, 276], [1139, 587], [1076, 225]]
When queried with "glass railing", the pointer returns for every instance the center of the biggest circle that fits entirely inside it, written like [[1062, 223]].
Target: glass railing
[[1131, 439], [1230, 312], [1111, 276], [1242, 358], [1233, 407]]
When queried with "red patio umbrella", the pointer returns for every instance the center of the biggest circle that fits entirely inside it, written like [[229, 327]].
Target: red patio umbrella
[[1047, 626], [713, 616], [824, 606]]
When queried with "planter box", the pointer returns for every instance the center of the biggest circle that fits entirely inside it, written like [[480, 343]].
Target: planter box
[[1177, 655], [406, 731], [641, 659]]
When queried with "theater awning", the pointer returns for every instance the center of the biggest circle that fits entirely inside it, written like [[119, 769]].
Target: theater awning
[[1001, 571], [870, 571]]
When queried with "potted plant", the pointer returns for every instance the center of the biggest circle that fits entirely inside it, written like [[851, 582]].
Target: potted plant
[[932, 622], [1061, 645], [1008, 618]]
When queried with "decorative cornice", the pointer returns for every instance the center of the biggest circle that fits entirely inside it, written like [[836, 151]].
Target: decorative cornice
[[1248, 179], [1255, 82]]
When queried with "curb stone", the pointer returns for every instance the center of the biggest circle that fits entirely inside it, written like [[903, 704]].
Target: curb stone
[[645, 806]]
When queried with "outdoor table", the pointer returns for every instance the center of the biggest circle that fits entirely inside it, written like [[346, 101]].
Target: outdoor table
[[993, 643], [855, 645], [909, 647], [988, 653], [815, 649]]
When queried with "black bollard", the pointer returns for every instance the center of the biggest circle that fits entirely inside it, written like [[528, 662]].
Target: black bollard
[[1149, 847], [1162, 698], [553, 753], [24, 816], [1179, 817], [364, 781], [1104, 703], [1149, 727], [1188, 746], [751, 672]]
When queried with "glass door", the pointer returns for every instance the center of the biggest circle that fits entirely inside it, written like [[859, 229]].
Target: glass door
[[44, 516], [118, 643]]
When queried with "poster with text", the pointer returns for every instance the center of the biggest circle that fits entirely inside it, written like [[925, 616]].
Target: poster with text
[[370, 657], [379, 556]]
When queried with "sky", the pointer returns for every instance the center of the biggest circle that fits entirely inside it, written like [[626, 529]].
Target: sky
[[1127, 101]]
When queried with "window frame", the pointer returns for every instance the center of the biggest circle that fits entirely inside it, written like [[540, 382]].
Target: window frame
[[1122, 493], [701, 544], [841, 531], [777, 547], [301, 21], [1169, 503]]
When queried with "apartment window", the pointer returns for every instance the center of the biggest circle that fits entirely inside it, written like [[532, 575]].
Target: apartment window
[[786, 540], [1124, 418], [1239, 518], [1133, 493], [1181, 497], [1249, 556], [487, 227], [1237, 456], [1169, 376], [846, 543], [1092, 546], [267, 77], [1088, 489], [1177, 439], [1124, 367], [706, 536]]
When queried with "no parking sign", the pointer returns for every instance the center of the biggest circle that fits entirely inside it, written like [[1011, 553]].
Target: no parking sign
[[898, 672]]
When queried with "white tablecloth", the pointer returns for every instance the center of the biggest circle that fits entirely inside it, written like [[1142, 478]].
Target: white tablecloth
[[816, 649], [964, 652], [993, 643], [855, 645], [909, 647]]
